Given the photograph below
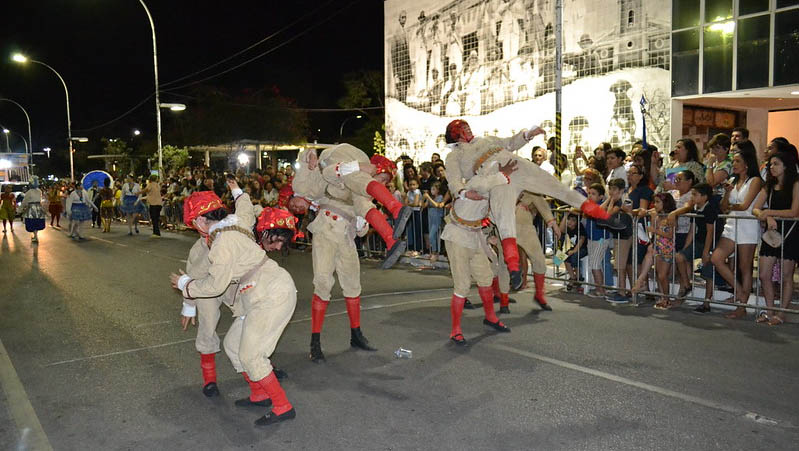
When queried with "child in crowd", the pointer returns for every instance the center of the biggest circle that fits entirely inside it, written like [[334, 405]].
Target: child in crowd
[[613, 204], [434, 203], [660, 251], [683, 182], [413, 199], [599, 241], [576, 234], [703, 234]]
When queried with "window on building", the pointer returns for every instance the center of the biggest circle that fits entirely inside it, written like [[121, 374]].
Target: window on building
[[786, 47], [716, 10], [753, 37], [684, 14], [752, 6], [717, 62], [685, 63], [631, 18]]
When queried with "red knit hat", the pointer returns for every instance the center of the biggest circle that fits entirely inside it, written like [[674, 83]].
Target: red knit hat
[[276, 218], [198, 204], [383, 164]]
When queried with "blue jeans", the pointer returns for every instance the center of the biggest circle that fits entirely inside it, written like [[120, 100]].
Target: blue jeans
[[608, 270], [435, 228]]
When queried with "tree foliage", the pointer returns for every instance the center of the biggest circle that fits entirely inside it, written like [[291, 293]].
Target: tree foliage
[[364, 89], [173, 157]]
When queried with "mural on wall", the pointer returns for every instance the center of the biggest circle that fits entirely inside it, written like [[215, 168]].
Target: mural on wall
[[492, 62]]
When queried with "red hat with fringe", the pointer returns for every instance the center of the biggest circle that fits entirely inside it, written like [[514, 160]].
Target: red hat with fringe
[[198, 204]]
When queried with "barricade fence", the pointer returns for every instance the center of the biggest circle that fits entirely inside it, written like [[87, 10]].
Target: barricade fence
[[754, 293]]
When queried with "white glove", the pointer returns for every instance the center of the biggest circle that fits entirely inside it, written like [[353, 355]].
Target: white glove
[[189, 310], [183, 281], [236, 193], [348, 168], [360, 223], [533, 131]]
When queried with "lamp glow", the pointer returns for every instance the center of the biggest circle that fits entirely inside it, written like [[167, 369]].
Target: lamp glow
[[19, 58], [243, 159], [136, 132], [6, 131], [726, 28], [174, 106]]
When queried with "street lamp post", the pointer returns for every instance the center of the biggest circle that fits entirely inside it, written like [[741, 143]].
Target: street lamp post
[[30, 139], [6, 132], [341, 129], [157, 94], [20, 58]]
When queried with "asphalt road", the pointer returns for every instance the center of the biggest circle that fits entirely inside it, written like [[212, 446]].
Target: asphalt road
[[95, 359]]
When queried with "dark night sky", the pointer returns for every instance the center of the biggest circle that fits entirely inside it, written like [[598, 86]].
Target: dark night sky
[[103, 49]]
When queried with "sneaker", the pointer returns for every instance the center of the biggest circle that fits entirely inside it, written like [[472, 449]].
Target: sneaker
[[702, 309], [617, 299]]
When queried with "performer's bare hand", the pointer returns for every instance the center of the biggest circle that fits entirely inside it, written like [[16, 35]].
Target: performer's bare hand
[[232, 184], [473, 195], [173, 278], [368, 168], [555, 229], [184, 321], [508, 168], [313, 160]]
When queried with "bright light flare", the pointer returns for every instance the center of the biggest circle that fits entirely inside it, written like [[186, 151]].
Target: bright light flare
[[19, 58], [243, 159]]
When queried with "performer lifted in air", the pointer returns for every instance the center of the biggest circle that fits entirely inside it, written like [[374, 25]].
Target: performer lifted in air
[[265, 292], [474, 160], [345, 167]]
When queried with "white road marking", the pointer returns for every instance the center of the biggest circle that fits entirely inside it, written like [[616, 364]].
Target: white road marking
[[644, 386], [32, 434], [162, 345]]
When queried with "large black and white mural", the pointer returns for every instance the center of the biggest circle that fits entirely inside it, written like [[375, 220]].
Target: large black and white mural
[[492, 62]]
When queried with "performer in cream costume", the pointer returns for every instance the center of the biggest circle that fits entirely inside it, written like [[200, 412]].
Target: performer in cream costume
[[473, 172], [266, 293]]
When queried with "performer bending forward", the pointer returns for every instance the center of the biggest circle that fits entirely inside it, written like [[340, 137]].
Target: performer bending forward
[[475, 161], [265, 291]]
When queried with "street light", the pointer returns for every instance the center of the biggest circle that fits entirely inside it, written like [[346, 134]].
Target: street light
[[28, 118], [157, 94], [136, 132], [341, 130], [6, 132], [20, 58], [81, 139], [174, 106]]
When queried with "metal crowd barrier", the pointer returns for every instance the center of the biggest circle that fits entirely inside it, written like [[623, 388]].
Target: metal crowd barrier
[[633, 257]]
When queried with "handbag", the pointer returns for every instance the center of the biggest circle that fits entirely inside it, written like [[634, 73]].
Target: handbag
[[772, 237]]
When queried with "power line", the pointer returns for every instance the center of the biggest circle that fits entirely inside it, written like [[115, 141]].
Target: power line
[[116, 118], [224, 60], [302, 33]]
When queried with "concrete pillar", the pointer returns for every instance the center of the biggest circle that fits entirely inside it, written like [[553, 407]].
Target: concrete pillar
[[757, 123], [676, 124], [207, 158]]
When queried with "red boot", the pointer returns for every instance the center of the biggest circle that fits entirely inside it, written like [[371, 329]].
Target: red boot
[[456, 312], [282, 409], [511, 254], [258, 396], [594, 210], [357, 340], [540, 289], [399, 212], [208, 366], [394, 248], [487, 295]]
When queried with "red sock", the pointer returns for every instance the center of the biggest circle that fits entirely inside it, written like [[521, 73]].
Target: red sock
[[381, 194], [280, 403], [495, 287], [487, 296], [257, 392], [540, 286], [511, 253], [318, 309], [208, 365], [354, 311], [379, 223], [504, 301], [456, 311]]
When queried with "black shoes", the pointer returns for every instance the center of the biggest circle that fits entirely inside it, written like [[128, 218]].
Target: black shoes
[[394, 254], [247, 402], [271, 418], [458, 339], [401, 221], [357, 340], [504, 310], [468, 305], [316, 349], [516, 280], [498, 326], [211, 390]]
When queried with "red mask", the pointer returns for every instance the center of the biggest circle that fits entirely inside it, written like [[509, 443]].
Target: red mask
[[458, 131]]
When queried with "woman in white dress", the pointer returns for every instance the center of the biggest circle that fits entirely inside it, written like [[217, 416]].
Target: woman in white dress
[[32, 211], [740, 235], [131, 205]]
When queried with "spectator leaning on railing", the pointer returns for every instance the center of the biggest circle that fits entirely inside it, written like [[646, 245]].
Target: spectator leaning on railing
[[781, 241]]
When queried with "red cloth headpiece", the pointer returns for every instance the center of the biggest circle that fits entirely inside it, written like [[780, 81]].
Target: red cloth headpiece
[[275, 218], [198, 204], [457, 131], [284, 195], [383, 164]]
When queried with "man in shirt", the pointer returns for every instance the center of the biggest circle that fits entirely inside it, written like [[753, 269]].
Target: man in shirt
[[615, 162]]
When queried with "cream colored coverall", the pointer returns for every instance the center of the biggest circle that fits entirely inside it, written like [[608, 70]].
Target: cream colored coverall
[[466, 247], [488, 181], [267, 298]]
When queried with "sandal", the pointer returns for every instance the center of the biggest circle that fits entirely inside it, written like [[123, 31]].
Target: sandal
[[662, 305], [776, 321], [458, 339], [762, 318], [739, 313]]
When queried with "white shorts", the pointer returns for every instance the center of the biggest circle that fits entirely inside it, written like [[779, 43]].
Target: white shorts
[[596, 253]]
